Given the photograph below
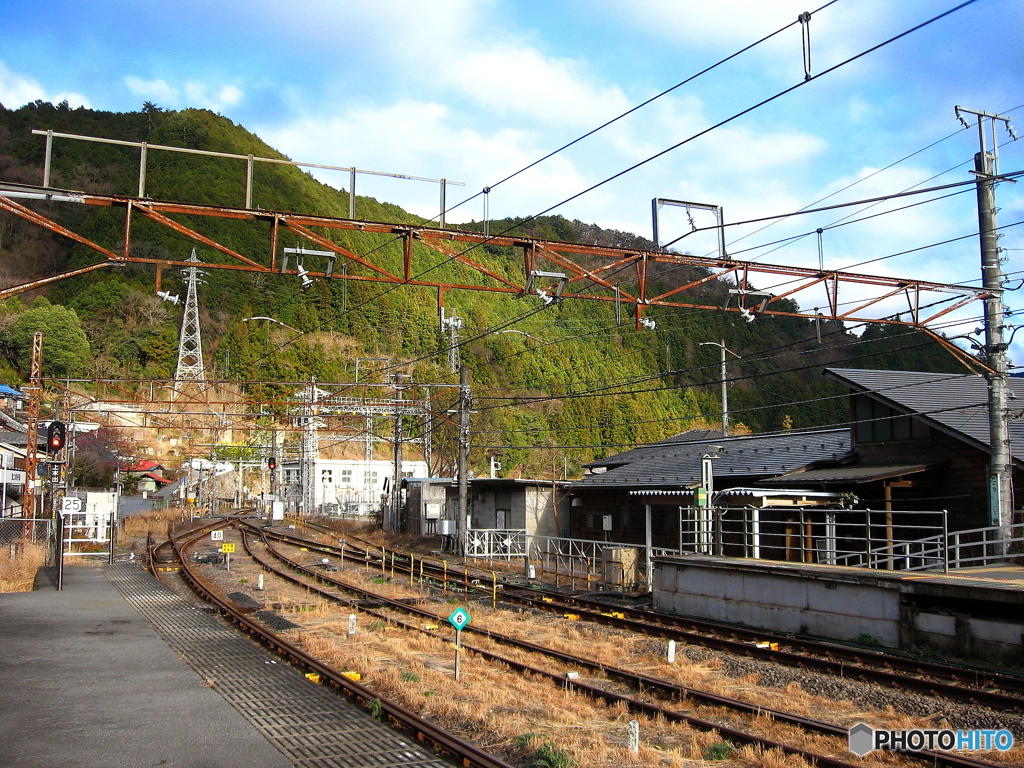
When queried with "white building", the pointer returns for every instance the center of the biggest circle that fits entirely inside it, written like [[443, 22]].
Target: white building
[[345, 485]]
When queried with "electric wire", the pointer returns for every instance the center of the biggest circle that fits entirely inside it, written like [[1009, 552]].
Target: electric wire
[[657, 155]]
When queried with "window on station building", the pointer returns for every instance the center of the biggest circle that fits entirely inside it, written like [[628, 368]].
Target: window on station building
[[346, 476], [326, 476], [875, 422]]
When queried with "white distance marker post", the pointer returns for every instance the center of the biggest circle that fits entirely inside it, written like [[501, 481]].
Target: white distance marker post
[[671, 651], [351, 625], [459, 619]]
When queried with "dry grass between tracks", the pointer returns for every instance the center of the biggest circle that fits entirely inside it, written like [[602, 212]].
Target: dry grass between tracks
[[533, 719], [19, 562], [156, 523], [523, 717]]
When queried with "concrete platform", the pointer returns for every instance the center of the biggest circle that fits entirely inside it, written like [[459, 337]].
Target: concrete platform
[[977, 612], [85, 681], [95, 675]]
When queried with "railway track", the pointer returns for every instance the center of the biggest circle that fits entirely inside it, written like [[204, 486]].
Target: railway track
[[440, 740], [641, 682], [964, 684]]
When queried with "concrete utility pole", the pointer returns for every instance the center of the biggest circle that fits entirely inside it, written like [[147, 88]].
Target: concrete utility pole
[[310, 456], [394, 507], [463, 469], [725, 382], [986, 167]]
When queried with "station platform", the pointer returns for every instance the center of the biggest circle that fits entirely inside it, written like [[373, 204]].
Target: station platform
[[973, 613], [118, 670]]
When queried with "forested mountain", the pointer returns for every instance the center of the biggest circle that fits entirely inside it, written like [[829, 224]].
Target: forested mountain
[[534, 388]]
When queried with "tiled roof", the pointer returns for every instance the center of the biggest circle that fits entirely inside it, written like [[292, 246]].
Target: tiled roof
[[853, 473], [673, 462], [956, 404], [652, 449]]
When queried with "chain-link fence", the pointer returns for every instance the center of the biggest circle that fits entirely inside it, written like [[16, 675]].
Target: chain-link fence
[[16, 532]]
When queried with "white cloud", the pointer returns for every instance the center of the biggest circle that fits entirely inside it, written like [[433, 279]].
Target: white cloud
[[152, 90], [425, 139], [229, 95], [17, 90], [726, 26], [514, 79], [191, 94]]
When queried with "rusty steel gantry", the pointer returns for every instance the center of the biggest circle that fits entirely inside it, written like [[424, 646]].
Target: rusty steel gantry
[[587, 272]]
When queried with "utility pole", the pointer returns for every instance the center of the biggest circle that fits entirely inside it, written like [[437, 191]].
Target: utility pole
[[310, 455], [986, 170], [393, 508], [725, 382], [463, 469]]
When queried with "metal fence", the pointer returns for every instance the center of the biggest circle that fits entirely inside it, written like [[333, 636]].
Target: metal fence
[[599, 564], [17, 531], [984, 546], [882, 539], [861, 538]]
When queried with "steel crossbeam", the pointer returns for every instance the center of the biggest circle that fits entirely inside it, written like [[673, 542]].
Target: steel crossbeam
[[592, 272]]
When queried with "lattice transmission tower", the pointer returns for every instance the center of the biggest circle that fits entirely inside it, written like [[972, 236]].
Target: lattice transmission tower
[[190, 345]]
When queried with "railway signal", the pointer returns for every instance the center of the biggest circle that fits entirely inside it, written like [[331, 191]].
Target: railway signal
[[56, 434]]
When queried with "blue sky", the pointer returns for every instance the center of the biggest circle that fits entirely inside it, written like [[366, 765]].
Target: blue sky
[[472, 90]]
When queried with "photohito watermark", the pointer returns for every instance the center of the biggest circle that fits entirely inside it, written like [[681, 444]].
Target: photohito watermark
[[863, 739]]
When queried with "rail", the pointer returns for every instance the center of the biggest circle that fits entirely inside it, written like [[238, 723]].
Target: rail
[[643, 681], [470, 756]]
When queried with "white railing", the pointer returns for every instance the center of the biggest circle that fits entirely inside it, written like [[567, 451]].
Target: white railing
[[595, 563], [920, 555], [496, 544], [627, 564], [982, 546]]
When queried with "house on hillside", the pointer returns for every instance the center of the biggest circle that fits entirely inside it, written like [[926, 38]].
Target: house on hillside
[[12, 472], [147, 475], [11, 399], [918, 441]]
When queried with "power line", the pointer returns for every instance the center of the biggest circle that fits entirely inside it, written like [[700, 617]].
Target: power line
[[633, 167]]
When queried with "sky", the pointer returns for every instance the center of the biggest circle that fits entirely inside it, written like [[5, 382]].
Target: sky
[[475, 90]]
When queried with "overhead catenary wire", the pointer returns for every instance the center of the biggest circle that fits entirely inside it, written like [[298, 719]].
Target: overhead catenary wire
[[834, 425], [487, 189], [783, 242], [783, 346], [604, 391], [657, 155]]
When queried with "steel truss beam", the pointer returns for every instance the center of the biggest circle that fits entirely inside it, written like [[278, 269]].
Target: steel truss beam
[[224, 405], [841, 296]]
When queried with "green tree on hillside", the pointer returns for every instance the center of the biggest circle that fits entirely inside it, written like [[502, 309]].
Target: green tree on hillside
[[65, 346]]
